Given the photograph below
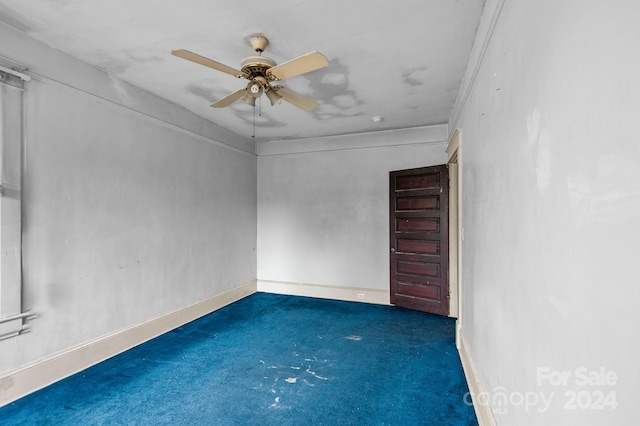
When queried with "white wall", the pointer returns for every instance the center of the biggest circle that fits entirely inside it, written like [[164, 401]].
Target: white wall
[[323, 208], [551, 201], [133, 207]]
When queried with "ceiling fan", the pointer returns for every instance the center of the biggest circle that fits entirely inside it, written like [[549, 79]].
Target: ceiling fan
[[261, 71]]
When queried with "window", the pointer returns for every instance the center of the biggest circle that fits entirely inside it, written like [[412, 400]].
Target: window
[[11, 134]]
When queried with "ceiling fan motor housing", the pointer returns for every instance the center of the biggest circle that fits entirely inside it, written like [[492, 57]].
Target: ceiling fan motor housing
[[257, 65]]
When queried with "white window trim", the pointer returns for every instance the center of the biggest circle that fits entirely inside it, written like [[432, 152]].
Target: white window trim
[[12, 318]]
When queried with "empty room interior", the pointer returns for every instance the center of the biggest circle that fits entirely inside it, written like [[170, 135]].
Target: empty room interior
[[164, 161]]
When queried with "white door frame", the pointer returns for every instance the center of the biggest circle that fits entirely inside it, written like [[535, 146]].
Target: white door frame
[[454, 151]]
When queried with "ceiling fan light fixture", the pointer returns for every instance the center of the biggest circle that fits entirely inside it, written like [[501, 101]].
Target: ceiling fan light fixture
[[254, 88], [273, 96], [249, 99]]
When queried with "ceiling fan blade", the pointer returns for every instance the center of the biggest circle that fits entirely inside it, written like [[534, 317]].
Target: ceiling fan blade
[[194, 57], [295, 99], [301, 65], [230, 98]]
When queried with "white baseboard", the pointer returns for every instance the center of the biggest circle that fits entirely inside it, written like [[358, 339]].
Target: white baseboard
[[37, 376], [349, 294], [482, 408]]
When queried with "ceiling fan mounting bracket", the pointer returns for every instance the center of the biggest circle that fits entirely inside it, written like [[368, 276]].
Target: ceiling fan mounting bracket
[[258, 43]]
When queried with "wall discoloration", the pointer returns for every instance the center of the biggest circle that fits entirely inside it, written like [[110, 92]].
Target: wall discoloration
[[533, 127], [120, 88], [543, 162], [539, 145], [14, 19], [6, 383], [551, 200], [611, 196]]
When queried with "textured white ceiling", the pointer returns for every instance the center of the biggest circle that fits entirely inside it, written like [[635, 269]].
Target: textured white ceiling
[[402, 60]]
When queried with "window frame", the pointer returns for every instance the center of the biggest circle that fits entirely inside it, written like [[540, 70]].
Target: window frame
[[12, 317]]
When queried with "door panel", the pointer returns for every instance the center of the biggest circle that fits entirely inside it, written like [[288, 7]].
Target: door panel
[[418, 204], [424, 292], [430, 270], [418, 247], [431, 224]]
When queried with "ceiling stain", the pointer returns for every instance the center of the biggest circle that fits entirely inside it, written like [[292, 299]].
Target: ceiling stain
[[372, 52], [330, 88], [453, 89], [202, 91], [416, 77], [333, 78], [263, 119], [345, 101], [112, 67], [140, 57]]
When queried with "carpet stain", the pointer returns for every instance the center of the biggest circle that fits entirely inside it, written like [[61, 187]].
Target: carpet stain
[[276, 403], [354, 338]]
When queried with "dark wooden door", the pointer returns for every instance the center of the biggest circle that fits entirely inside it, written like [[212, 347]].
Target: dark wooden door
[[418, 208]]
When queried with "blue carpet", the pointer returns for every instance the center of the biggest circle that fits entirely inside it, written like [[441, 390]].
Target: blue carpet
[[271, 360]]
